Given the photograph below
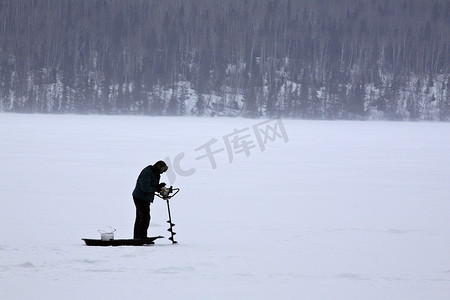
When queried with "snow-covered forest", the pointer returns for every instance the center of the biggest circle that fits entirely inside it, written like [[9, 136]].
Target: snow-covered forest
[[319, 59]]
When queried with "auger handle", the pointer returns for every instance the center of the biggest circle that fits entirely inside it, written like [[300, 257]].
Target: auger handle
[[174, 189]]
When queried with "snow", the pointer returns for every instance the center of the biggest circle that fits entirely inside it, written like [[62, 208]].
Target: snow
[[340, 210]]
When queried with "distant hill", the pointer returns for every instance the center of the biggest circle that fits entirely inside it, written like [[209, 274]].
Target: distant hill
[[311, 59]]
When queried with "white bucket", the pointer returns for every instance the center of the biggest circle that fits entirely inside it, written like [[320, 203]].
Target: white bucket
[[107, 236]]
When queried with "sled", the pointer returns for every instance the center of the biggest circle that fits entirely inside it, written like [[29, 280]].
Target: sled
[[122, 242]]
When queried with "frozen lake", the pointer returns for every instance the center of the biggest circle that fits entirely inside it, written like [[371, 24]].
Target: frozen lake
[[268, 209]]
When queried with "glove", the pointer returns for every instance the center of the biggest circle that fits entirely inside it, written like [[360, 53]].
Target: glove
[[160, 186]]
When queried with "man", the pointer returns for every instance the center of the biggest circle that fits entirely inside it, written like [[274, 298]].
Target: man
[[144, 193]]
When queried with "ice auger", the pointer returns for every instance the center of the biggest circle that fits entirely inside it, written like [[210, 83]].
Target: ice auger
[[166, 194]]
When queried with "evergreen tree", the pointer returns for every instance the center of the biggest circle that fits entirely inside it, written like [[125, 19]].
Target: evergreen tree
[[119, 56]]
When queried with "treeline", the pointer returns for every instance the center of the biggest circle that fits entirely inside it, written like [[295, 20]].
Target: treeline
[[322, 59]]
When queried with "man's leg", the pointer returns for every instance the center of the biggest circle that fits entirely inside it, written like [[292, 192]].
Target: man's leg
[[142, 218]]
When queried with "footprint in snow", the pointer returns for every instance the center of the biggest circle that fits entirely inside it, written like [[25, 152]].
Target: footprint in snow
[[27, 265], [353, 276], [174, 270]]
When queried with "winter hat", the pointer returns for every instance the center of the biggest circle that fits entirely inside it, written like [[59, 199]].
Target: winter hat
[[160, 166]]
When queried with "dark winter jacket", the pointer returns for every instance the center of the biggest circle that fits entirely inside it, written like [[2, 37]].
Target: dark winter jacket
[[146, 184]]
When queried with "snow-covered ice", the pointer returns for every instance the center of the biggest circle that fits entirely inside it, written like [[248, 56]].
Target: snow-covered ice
[[343, 210]]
